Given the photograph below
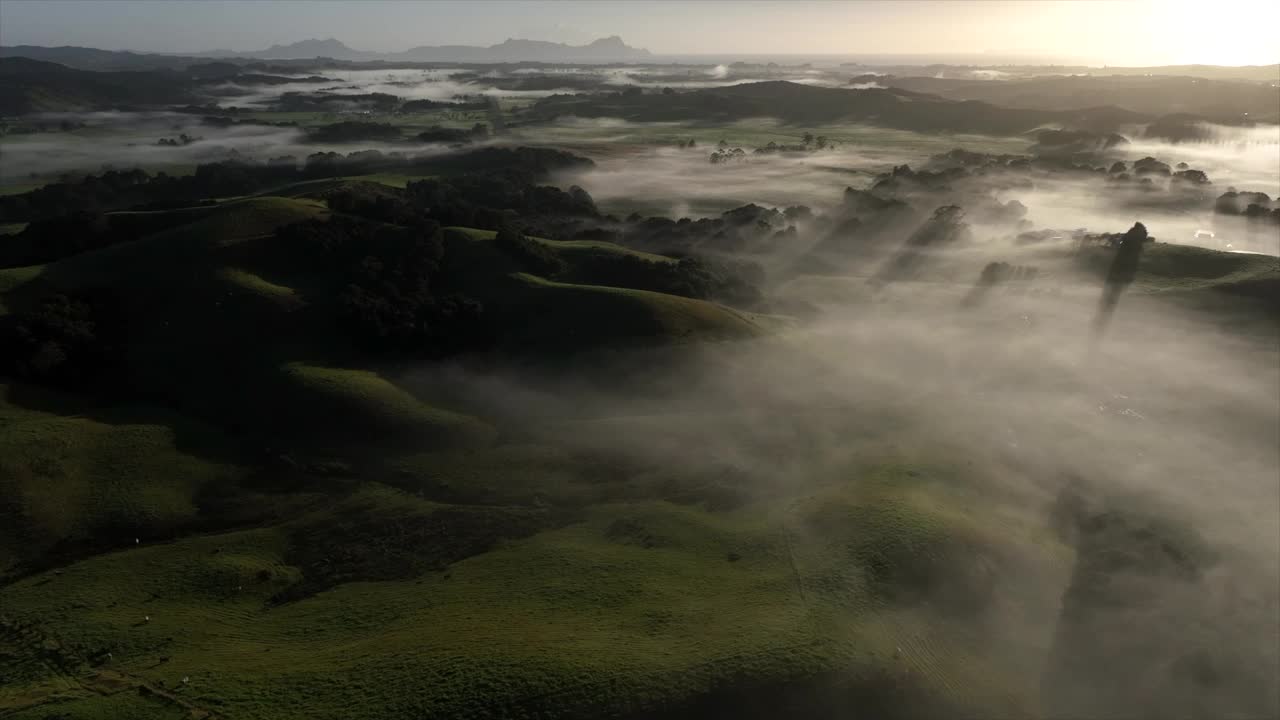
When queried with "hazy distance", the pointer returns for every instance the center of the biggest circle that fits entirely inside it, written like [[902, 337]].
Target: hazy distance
[[1142, 32]]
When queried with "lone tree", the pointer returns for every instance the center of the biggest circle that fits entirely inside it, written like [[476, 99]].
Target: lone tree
[[1124, 268]]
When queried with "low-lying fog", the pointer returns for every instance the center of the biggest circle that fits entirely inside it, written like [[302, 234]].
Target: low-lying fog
[[639, 167], [681, 182], [440, 84], [122, 140], [1169, 412]]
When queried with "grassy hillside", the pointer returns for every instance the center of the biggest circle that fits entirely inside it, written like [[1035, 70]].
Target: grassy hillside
[[98, 478], [256, 515], [1241, 286], [698, 602], [34, 86], [546, 315]]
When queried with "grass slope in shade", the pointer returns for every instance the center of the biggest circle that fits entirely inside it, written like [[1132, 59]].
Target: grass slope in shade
[[586, 315], [569, 250], [92, 480], [544, 315], [367, 407], [632, 608]]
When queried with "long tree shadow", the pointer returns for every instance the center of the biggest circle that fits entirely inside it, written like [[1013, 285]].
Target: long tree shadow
[[1147, 628]]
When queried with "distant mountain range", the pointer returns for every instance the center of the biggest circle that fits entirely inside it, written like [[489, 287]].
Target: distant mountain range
[[605, 50], [610, 49]]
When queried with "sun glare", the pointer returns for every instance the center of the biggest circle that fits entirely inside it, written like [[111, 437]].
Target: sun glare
[[1218, 33]]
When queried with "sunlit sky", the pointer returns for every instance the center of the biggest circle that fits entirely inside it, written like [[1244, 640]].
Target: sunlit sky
[[1132, 32]]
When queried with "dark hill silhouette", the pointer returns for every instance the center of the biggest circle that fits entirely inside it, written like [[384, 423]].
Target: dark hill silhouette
[[796, 103], [1222, 100]]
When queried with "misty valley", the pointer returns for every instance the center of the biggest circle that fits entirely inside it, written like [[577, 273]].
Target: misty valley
[[542, 380]]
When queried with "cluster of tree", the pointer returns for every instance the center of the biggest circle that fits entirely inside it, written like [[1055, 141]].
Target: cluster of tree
[[508, 203], [223, 121], [998, 273], [902, 176], [1191, 176], [534, 162], [818, 143], [1151, 166], [62, 236], [63, 341], [531, 255], [724, 153], [734, 282], [426, 105], [329, 102], [773, 148], [727, 154], [485, 200], [111, 189], [436, 133], [181, 140], [513, 168], [747, 229], [390, 293], [1252, 205], [354, 131]]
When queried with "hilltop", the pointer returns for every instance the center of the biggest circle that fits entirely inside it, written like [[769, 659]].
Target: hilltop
[[797, 103], [609, 49]]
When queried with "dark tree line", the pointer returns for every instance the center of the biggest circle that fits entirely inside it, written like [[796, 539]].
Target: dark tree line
[[64, 341], [355, 131], [730, 281], [531, 255], [436, 133], [136, 189], [388, 291]]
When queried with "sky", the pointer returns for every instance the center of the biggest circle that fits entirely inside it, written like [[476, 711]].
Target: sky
[[1116, 32]]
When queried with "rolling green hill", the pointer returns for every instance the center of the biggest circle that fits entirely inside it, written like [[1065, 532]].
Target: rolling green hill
[[805, 104], [254, 515], [517, 630]]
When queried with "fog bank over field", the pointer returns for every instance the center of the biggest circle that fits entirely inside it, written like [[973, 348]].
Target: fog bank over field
[[407, 84], [1167, 414], [131, 140], [682, 182], [442, 85], [1247, 158]]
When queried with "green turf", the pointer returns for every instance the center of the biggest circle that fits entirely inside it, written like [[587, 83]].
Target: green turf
[[68, 478], [19, 188], [571, 249], [564, 317], [367, 408], [631, 606]]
